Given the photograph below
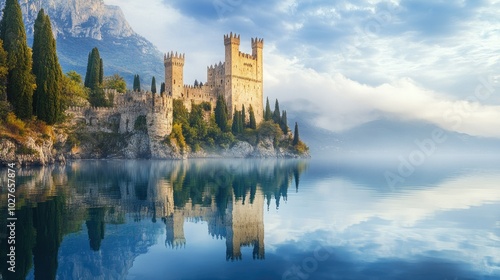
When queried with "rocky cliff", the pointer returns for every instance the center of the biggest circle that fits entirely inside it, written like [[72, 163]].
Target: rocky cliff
[[71, 145], [80, 25]]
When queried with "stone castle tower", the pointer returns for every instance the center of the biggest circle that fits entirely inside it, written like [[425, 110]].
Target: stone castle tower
[[239, 79]]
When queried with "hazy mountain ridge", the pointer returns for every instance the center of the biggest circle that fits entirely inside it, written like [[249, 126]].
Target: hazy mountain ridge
[[80, 25], [385, 136]]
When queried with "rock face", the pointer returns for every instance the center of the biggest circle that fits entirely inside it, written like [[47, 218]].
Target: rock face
[[80, 25], [78, 18]]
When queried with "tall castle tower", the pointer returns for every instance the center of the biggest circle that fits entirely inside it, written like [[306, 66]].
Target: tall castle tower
[[239, 79], [244, 76], [174, 74], [232, 49], [257, 47]]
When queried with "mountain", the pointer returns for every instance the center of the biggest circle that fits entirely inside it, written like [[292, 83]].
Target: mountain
[[80, 25], [386, 137]]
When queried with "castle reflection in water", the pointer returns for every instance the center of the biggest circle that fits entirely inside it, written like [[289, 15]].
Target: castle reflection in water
[[230, 196]]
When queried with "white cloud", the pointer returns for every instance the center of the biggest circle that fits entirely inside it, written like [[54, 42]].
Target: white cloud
[[377, 226], [342, 103], [401, 73]]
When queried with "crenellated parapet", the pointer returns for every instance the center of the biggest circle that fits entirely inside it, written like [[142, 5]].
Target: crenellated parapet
[[174, 59], [232, 39], [257, 43]]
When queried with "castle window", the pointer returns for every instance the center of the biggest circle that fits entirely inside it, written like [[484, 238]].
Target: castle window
[[174, 82], [221, 82]]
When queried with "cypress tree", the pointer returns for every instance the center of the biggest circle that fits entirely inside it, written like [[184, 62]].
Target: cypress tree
[[284, 123], [153, 89], [240, 122], [138, 83], [296, 135], [243, 115], [276, 113], [134, 88], [267, 112], [93, 78], [101, 72], [4, 71], [162, 88], [235, 125], [20, 80], [87, 74], [47, 96], [252, 124], [153, 85], [221, 113]]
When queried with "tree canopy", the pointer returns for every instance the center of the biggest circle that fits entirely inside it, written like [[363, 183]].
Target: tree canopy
[[20, 80], [116, 82], [47, 96]]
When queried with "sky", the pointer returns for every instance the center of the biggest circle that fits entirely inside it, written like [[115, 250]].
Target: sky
[[348, 62]]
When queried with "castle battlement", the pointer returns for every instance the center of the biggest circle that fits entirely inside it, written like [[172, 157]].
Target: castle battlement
[[231, 39], [174, 59], [257, 43]]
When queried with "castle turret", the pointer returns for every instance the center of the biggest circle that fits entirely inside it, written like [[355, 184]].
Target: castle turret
[[232, 49], [257, 46], [174, 74]]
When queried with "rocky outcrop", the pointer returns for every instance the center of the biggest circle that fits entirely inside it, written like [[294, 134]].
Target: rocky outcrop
[[78, 18], [98, 145], [33, 151]]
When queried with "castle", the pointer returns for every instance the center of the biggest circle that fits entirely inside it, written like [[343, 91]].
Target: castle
[[239, 80]]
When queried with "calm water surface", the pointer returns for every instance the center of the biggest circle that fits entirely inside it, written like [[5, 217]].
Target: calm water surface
[[254, 219]]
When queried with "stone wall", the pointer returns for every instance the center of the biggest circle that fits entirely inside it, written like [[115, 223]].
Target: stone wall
[[127, 108]]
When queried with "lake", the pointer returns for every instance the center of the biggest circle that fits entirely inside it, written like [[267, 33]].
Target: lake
[[255, 219]]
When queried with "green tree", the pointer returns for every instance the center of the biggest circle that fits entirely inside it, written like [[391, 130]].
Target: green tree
[[221, 114], [47, 96], [284, 123], [240, 122], [296, 139], [267, 113], [196, 84], [94, 80], [243, 116], [162, 88], [235, 124], [4, 71], [101, 71], [197, 123], [20, 80], [74, 76], [153, 85], [181, 114], [94, 67], [137, 83], [252, 124], [115, 82], [87, 73], [73, 91], [276, 113]]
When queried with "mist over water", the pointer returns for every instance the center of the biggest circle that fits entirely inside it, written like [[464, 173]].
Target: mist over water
[[336, 218]]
